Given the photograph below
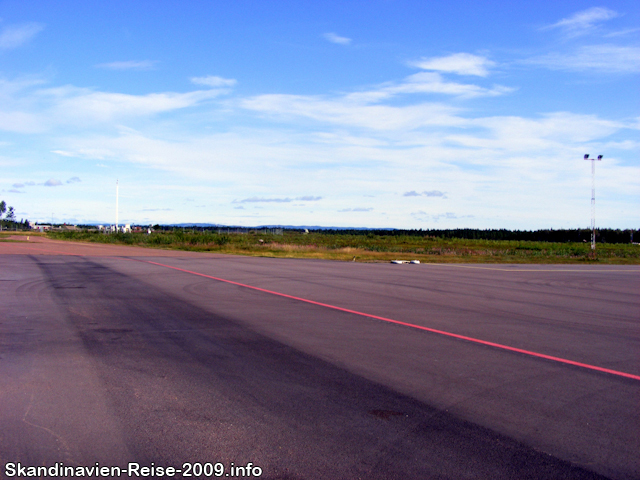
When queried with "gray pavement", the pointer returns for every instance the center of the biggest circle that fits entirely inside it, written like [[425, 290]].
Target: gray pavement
[[113, 360]]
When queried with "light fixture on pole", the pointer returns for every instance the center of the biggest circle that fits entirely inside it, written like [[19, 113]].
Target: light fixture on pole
[[593, 200]]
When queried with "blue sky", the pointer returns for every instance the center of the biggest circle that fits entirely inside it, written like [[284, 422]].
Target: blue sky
[[405, 114]]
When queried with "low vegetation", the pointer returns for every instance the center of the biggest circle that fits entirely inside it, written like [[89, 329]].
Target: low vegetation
[[378, 246]]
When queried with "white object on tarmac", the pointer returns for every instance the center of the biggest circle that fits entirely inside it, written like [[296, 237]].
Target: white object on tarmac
[[415, 262]]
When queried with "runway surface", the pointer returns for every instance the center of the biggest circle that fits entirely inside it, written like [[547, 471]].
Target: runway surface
[[121, 354]]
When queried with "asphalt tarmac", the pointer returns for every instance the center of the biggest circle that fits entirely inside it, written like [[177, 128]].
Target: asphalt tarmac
[[121, 354]]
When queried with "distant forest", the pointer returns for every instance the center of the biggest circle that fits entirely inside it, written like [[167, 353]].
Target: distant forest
[[603, 235]]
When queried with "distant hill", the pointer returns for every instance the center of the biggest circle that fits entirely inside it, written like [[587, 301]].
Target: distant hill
[[259, 227]]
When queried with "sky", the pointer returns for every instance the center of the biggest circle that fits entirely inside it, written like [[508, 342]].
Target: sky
[[376, 113]]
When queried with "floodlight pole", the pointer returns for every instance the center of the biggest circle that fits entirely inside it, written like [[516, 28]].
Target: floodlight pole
[[593, 200]]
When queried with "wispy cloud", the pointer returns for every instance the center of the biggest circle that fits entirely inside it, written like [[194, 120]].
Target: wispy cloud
[[25, 110], [431, 193], [10, 88], [213, 81], [449, 216], [605, 58], [263, 200], [18, 185], [357, 209], [64, 153], [306, 198], [459, 63], [74, 180], [343, 111], [431, 82], [365, 108], [334, 38], [584, 21], [19, 121], [52, 182], [424, 216], [129, 65], [73, 105], [14, 36], [434, 193], [621, 33]]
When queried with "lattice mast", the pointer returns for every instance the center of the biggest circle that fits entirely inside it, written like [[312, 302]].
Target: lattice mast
[[117, 205], [593, 199]]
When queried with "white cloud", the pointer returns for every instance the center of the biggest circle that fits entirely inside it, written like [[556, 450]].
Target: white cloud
[[82, 105], [622, 33], [74, 180], [334, 38], [213, 81], [52, 182], [434, 193], [375, 142], [129, 65], [605, 58], [14, 36], [583, 21], [430, 193], [449, 216], [20, 122], [547, 134], [27, 110], [365, 109], [64, 153], [430, 82], [357, 209], [9, 88], [497, 167], [459, 63], [263, 200], [306, 198], [339, 111]]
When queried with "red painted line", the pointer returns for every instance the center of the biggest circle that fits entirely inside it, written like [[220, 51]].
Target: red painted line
[[418, 327]]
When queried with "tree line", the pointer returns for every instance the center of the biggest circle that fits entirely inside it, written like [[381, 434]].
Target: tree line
[[8, 218], [603, 235]]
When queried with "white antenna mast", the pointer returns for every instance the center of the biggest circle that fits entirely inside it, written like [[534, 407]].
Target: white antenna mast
[[116, 205], [593, 200]]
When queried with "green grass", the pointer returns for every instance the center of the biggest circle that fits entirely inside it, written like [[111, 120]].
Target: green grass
[[369, 247]]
